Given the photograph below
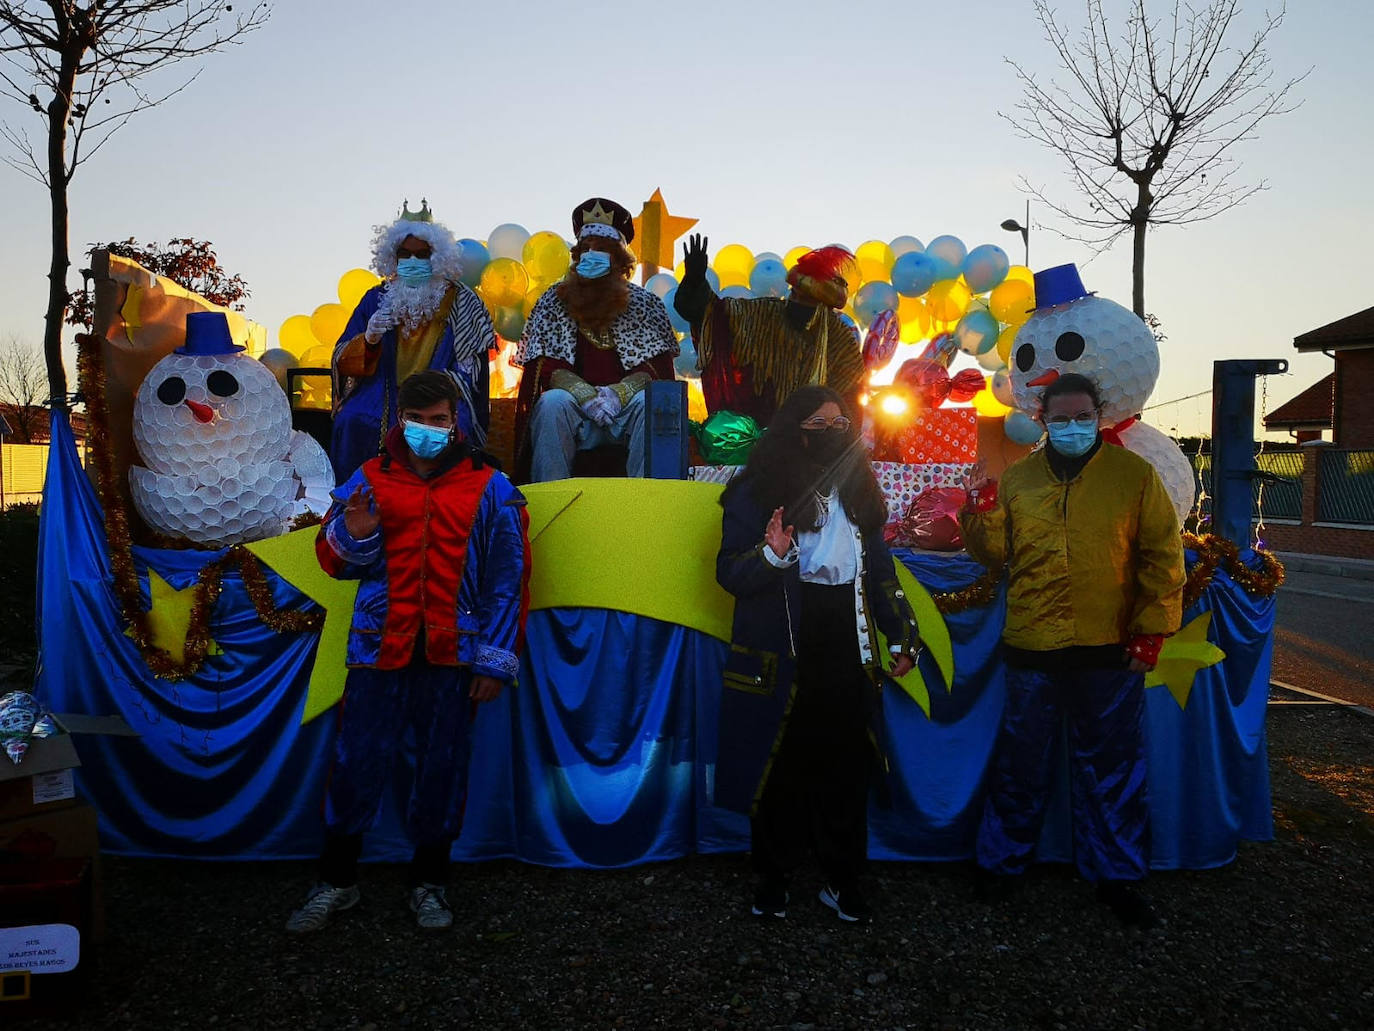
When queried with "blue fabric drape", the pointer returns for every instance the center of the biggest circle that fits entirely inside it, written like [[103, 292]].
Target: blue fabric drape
[[603, 755]]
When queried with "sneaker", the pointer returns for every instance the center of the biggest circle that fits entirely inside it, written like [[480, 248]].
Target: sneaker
[[848, 905], [1131, 908], [429, 903], [770, 900], [322, 903]]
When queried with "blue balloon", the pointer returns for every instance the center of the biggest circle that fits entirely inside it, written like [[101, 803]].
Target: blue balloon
[[685, 364], [873, 298], [853, 326], [906, 245], [713, 280], [660, 284], [977, 332], [769, 278], [949, 253], [985, 267], [1020, 428], [474, 259], [736, 291], [914, 273], [674, 319], [767, 256]]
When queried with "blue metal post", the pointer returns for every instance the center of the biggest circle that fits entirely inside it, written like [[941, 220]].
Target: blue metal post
[[665, 439], [1233, 442]]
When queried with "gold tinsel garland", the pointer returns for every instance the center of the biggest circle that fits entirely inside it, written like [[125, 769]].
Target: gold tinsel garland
[[1215, 553], [209, 582]]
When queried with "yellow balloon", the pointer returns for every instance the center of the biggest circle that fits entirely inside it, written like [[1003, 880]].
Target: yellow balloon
[[734, 261], [328, 323], [317, 357], [1021, 273], [1011, 302], [504, 283], [545, 256], [875, 260], [1006, 340], [914, 317], [948, 300], [986, 405], [353, 284], [295, 335], [791, 257], [535, 292]]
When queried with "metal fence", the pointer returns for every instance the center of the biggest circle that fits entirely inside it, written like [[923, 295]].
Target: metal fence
[[1281, 500], [1345, 492]]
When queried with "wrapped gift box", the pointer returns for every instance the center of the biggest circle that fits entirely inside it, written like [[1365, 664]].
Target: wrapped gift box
[[901, 483], [940, 436]]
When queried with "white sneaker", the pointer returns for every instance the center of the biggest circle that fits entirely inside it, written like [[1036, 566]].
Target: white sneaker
[[429, 903], [322, 903]]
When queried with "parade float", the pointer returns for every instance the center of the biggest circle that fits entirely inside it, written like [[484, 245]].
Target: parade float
[[179, 586]]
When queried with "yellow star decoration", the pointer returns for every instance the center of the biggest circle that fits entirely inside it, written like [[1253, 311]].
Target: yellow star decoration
[[169, 617], [1183, 655], [934, 636], [292, 557], [657, 232]]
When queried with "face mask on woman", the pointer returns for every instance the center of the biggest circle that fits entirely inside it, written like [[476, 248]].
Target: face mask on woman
[[826, 445]]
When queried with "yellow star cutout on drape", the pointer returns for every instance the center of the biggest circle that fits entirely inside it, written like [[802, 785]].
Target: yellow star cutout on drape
[[934, 636], [657, 232], [1182, 656], [292, 557], [169, 617]]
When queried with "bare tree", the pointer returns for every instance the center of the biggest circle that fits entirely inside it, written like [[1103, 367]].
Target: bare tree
[[81, 67], [23, 389], [1148, 120]]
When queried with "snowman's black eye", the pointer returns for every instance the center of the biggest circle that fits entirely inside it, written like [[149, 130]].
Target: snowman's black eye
[[222, 384], [172, 390], [1069, 347], [1025, 357]]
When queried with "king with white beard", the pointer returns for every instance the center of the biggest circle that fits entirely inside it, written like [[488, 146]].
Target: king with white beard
[[420, 317]]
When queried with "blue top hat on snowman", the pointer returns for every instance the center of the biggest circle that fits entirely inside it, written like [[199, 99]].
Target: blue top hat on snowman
[[1059, 285], [207, 335]]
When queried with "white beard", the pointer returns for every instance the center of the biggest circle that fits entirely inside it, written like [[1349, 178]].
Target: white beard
[[413, 306]]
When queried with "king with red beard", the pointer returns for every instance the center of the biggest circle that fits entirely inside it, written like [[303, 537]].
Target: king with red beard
[[591, 344]]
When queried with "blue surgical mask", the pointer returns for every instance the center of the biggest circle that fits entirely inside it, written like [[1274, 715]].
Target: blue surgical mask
[[414, 270], [426, 441], [593, 264], [1073, 438]]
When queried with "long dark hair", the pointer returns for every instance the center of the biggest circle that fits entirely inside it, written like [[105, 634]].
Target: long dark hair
[[782, 473]]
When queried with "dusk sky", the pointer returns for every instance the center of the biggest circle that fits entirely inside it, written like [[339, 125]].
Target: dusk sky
[[774, 124]]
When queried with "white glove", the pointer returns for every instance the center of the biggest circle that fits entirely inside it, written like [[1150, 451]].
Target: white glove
[[610, 401], [594, 408], [381, 321]]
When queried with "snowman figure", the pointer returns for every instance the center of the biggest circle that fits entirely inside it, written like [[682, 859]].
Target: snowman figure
[[1072, 330], [221, 463]]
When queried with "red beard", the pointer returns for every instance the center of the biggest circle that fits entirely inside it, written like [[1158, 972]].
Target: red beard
[[594, 303]]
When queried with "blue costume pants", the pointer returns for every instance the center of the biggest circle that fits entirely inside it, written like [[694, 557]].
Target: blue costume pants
[[1105, 711], [377, 709]]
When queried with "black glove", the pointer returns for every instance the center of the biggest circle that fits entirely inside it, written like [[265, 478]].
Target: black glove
[[694, 258]]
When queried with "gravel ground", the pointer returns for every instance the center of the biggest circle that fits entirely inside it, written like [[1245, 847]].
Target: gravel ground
[[1279, 939]]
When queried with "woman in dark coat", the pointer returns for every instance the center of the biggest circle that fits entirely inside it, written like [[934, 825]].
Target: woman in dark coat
[[802, 551]]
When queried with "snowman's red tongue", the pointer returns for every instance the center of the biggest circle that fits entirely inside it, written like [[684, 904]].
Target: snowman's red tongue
[[203, 413]]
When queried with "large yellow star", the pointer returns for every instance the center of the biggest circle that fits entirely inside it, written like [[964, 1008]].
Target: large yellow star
[[934, 636], [1183, 655], [657, 232], [169, 617], [292, 557]]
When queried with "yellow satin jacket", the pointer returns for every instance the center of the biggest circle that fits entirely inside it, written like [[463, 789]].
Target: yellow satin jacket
[[1090, 561]]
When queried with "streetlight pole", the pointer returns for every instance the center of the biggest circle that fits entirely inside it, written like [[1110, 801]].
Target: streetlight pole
[[1013, 226]]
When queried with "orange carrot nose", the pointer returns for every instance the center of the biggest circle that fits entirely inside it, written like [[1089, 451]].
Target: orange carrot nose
[[1043, 380], [203, 413]]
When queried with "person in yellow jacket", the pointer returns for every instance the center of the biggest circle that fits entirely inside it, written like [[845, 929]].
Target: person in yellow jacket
[[1095, 578]]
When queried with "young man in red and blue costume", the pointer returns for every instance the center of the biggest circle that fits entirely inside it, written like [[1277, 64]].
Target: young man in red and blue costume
[[438, 542]]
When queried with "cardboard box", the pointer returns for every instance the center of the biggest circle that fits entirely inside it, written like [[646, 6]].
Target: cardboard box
[[42, 781]]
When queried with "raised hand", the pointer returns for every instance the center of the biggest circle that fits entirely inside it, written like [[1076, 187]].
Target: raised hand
[[381, 321], [360, 513], [778, 537], [977, 478], [694, 257]]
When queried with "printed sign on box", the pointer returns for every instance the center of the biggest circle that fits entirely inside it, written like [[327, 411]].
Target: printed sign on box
[[40, 948]]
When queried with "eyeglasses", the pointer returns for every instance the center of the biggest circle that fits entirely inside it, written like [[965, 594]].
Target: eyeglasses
[[817, 423], [1081, 419], [415, 252]]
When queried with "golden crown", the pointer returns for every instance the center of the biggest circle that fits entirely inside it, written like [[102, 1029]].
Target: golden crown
[[596, 213], [423, 215]]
